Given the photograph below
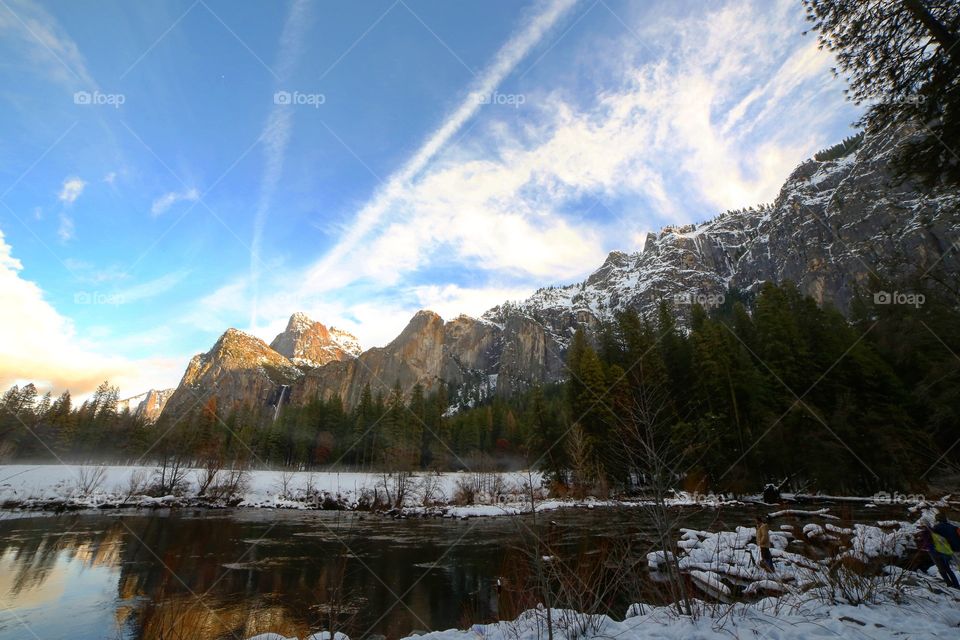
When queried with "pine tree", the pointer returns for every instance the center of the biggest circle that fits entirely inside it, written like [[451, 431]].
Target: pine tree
[[903, 57]]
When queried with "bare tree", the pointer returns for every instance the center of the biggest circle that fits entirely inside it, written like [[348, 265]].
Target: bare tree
[[645, 429]]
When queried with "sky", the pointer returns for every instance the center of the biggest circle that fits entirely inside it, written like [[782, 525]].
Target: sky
[[169, 170]]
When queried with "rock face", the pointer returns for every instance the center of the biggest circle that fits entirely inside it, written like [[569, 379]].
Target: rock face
[[474, 357], [239, 370], [147, 405], [835, 224], [308, 343]]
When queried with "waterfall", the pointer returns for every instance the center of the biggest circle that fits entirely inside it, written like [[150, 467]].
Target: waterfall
[[276, 409]]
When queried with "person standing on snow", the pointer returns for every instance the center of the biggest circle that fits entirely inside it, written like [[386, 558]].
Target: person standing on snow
[[949, 531], [763, 541], [940, 552]]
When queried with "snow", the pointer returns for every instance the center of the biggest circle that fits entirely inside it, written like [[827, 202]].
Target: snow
[[54, 485], [711, 581], [823, 513], [428, 494], [915, 612]]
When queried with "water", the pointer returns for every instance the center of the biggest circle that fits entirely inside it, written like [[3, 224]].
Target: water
[[230, 574]]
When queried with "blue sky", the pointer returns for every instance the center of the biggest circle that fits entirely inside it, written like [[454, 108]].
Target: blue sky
[[171, 169]]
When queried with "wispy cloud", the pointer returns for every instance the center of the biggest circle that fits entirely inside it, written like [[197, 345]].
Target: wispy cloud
[[65, 228], [71, 190], [152, 288], [717, 123], [167, 200], [275, 137], [504, 62], [48, 46]]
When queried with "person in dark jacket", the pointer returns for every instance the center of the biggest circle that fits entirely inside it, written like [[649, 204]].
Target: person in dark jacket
[[948, 530], [926, 542]]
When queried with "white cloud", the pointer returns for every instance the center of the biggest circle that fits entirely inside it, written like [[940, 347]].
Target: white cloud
[[330, 268], [42, 346], [71, 190], [110, 178], [669, 129], [451, 300], [151, 288], [167, 200], [65, 229]]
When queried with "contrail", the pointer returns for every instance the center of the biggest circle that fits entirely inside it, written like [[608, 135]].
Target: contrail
[[506, 59], [275, 136]]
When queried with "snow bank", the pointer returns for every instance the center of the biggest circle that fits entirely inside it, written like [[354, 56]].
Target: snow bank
[[79, 486], [427, 494], [918, 612]]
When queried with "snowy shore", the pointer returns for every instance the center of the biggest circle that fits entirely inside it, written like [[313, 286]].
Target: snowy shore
[[916, 612], [453, 495]]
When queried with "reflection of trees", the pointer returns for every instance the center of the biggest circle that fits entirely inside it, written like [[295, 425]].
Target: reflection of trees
[[36, 546], [290, 584]]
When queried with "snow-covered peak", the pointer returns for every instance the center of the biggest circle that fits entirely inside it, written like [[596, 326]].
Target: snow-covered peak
[[346, 341], [309, 343]]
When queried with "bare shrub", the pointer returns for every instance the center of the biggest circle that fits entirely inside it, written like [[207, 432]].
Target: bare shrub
[[396, 486], [465, 492], [846, 581], [170, 478], [230, 484], [431, 490], [137, 484], [207, 475], [649, 452], [89, 480], [285, 485]]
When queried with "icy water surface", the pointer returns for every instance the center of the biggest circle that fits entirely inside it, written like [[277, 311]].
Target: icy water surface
[[229, 574]]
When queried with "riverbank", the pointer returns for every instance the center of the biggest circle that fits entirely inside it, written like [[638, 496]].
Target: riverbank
[[423, 494], [917, 612]]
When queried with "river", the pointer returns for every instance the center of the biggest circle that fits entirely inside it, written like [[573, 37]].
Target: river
[[122, 575]]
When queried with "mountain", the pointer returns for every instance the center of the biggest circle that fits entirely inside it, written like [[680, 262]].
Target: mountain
[[840, 220], [837, 222], [147, 405], [308, 343], [472, 356], [239, 370]]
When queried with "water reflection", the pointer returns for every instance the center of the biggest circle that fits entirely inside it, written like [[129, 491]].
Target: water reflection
[[166, 576], [233, 575]]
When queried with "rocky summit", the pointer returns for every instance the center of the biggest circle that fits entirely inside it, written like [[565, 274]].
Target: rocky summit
[[840, 221], [312, 344], [147, 405], [240, 370]]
